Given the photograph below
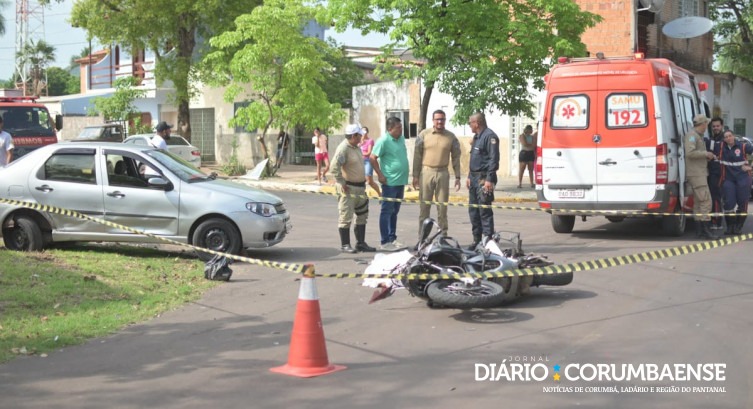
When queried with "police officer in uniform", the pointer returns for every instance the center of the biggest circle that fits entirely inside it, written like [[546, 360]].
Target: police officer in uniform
[[736, 181], [350, 176], [433, 152], [696, 173], [482, 177]]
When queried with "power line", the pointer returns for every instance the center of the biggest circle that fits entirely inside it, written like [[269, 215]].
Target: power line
[[55, 45]]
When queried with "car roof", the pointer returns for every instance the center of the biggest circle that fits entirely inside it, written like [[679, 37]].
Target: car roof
[[150, 135], [104, 126], [95, 144]]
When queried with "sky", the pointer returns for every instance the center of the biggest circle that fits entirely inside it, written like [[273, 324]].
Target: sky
[[69, 41]]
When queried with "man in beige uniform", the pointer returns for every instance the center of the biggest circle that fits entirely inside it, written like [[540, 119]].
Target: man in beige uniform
[[696, 173], [431, 157], [350, 178]]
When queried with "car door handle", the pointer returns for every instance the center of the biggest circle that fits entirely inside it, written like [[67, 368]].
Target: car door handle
[[607, 162], [116, 194], [44, 188]]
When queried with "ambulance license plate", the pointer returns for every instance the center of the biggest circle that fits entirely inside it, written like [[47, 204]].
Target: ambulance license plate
[[571, 194]]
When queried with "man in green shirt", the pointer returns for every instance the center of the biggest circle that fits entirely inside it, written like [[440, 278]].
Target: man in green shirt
[[389, 158]]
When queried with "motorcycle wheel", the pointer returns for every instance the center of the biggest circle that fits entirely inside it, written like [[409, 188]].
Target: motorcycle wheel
[[486, 294], [552, 279]]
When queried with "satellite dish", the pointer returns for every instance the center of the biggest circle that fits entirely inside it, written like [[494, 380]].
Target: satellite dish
[[653, 6], [687, 27]]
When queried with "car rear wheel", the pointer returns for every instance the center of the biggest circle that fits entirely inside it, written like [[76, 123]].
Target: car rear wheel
[[218, 235], [674, 225], [563, 224], [24, 236]]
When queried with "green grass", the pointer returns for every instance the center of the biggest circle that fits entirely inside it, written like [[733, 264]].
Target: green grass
[[64, 297]]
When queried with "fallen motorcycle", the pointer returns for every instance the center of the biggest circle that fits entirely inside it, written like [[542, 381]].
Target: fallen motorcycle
[[438, 257]]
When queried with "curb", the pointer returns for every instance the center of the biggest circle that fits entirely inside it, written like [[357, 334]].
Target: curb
[[412, 195]]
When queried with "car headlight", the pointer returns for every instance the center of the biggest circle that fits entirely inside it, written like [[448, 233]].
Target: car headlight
[[262, 209]]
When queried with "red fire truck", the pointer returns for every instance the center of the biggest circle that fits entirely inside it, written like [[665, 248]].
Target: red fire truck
[[29, 123]]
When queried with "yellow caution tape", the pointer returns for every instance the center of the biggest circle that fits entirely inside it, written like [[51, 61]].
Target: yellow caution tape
[[564, 212], [295, 268], [569, 268], [308, 270]]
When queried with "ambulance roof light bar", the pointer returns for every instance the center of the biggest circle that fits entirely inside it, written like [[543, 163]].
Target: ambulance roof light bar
[[29, 98], [601, 56]]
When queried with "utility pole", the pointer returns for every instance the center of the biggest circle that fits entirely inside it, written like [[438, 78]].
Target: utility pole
[[29, 30]]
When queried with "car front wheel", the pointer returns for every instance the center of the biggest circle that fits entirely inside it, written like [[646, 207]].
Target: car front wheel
[[218, 235], [24, 236]]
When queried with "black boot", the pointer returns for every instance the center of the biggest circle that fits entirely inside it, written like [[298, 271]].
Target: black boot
[[702, 229], [740, 222], [731, 222], [708, 232], [476, 241], [345, 240], [361, 245]]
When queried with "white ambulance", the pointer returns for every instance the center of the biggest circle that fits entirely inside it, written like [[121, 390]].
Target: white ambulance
[[610, 139]]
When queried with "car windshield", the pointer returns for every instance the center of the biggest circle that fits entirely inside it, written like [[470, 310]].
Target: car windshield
[[179, 166], [176, 141], [27, 121], [89, 133]]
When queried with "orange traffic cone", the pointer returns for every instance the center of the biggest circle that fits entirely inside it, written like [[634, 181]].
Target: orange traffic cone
[[308, 353]]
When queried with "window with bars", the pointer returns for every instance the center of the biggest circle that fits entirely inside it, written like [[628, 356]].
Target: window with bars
[[689, 8]]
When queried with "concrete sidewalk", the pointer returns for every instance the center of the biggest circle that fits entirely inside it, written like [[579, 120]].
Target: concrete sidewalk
[[303, 177]]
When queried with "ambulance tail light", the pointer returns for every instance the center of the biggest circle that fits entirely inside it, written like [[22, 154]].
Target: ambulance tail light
[[538, 167], [662, 171], [703, 86]]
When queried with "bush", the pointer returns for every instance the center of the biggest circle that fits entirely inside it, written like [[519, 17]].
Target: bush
[[233, 167]]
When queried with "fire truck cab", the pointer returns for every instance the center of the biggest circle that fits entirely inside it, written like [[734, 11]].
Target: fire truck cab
[[610, 139], [29, 123]]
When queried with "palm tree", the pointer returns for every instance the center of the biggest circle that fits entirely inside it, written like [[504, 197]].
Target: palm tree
[[38, 55], [84, 53], [3, 4]]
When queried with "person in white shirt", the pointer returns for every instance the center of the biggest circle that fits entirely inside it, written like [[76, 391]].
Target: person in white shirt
[[163, 134], [6, 146]]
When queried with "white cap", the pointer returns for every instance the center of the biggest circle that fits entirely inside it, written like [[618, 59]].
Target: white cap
[[353, 129]]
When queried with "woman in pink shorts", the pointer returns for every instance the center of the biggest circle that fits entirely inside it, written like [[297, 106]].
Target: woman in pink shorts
[[321, 155]]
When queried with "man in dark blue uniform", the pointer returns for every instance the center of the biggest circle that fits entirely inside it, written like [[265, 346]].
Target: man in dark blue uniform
[[482, 177], [736, 176], [714, 145]]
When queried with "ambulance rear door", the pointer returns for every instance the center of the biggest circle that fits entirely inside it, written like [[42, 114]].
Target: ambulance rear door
[[625, 139], [567, 148]]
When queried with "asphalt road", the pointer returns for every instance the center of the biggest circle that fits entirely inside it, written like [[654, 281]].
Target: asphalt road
[[687, 310]]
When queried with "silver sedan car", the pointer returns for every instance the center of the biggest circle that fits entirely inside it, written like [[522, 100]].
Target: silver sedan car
[[139, 187], [175, 144]]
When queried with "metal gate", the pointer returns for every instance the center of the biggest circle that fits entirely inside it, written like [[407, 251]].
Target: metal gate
[[202, 132]]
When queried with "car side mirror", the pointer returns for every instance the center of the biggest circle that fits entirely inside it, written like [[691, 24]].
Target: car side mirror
[[58, 122], [160, 182]]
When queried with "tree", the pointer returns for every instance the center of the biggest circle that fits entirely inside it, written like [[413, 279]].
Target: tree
[[119, 106], [169, 28], [485, 53], [38, 55], [61, 82], [338, 82], [84, 53], [282, 70], [733, 30], [3, 4]]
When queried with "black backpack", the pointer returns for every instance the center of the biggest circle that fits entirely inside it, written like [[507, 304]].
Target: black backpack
[[218, 269]]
